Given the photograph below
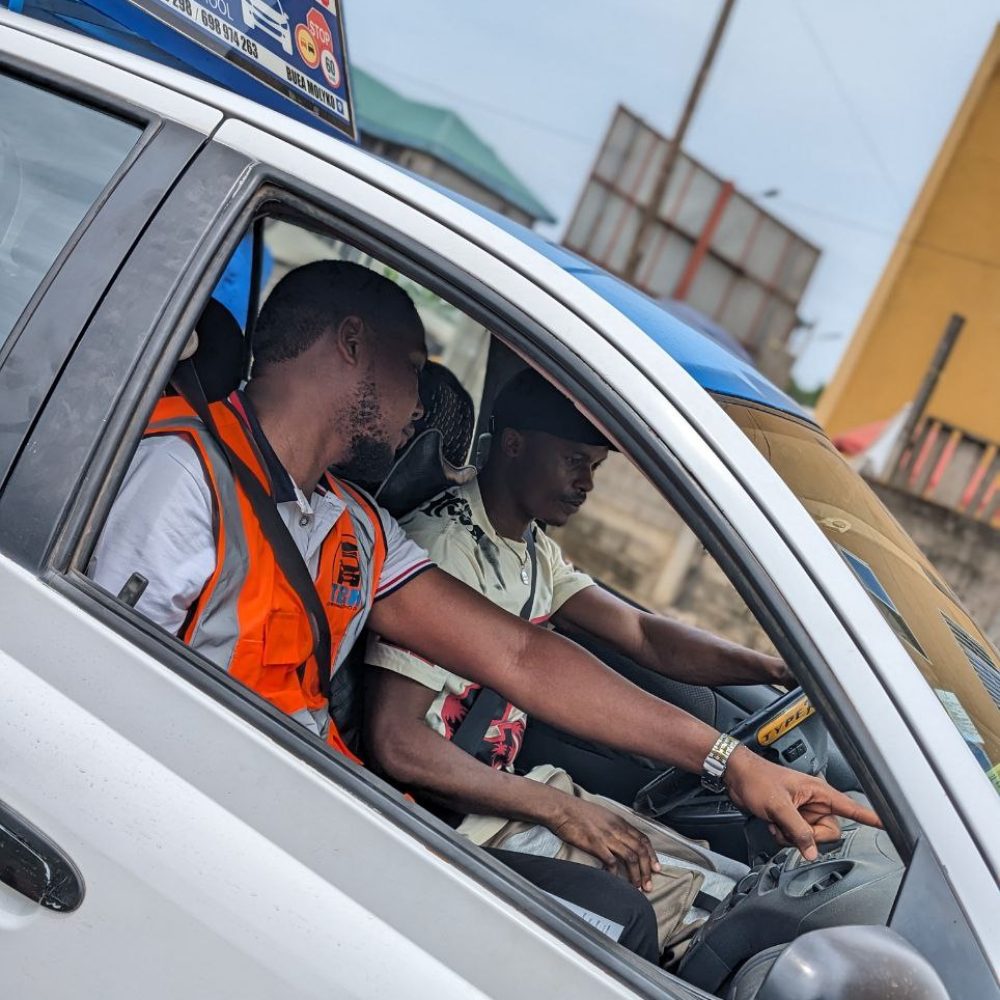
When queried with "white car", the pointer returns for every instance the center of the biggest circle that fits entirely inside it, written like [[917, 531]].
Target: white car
[[270, 17], [165, 833]]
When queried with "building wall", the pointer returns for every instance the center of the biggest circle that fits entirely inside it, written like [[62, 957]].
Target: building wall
[[947, 261], [631, 539]]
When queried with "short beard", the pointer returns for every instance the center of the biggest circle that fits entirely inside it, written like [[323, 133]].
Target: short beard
[[369, 456]]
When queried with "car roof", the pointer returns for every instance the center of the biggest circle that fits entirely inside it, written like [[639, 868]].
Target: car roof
[[715, 368]]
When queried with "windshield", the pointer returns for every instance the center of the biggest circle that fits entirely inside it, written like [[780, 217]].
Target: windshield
[[947, 646]]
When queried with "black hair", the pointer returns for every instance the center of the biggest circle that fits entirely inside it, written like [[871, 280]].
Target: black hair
[[529, 402], [316, 297]]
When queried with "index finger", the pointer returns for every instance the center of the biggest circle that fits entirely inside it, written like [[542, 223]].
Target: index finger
[[844, 805], [794, 828]]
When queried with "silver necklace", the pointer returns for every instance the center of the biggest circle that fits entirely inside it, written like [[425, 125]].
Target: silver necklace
[[523, 560]]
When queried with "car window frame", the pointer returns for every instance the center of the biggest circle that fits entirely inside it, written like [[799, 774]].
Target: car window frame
[[63, 533]]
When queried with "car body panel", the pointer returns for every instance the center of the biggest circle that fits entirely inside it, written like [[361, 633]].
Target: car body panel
[[219, 866], [78, 675]]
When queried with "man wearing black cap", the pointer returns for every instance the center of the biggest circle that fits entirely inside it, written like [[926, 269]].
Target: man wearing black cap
[[541, 468]]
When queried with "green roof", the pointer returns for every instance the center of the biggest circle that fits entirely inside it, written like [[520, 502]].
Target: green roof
[[385, 114]]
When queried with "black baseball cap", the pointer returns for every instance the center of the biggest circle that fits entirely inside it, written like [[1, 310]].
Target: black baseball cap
[[529, 402]]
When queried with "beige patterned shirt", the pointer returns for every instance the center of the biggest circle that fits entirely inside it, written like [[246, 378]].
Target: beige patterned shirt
[[459, 538]]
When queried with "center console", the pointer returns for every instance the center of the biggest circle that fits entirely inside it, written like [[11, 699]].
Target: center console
[[853, 881]]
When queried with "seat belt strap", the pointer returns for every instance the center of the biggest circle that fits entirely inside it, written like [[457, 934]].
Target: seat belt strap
[[489, 705], [286, 552]]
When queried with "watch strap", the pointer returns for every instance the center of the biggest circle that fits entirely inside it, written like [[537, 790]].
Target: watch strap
[[714, 767]]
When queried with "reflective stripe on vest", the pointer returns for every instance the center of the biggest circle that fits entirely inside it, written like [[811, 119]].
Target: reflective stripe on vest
[[248, 618]]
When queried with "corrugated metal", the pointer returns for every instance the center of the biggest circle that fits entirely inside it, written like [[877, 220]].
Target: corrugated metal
[[710, 246]]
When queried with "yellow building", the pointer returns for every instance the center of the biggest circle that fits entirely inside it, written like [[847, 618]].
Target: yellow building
[[947, 261]]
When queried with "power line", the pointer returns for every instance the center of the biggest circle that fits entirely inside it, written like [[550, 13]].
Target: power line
[[590, 142], [848, 104], [501, 112]]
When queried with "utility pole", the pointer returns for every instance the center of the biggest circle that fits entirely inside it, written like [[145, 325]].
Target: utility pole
[[893, 472], [649, 212]]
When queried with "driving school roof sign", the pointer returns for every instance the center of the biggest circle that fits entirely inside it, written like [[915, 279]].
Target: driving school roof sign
[[296, 47]]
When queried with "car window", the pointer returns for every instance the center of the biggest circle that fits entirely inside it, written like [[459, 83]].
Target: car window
[[50, 176], [949, 649], [160, 556]]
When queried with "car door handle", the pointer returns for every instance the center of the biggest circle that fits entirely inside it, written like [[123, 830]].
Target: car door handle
[[35, 867]]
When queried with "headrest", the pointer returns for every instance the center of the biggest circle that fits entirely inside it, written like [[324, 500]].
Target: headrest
[[447, 407], [435, 458], [218, 356]]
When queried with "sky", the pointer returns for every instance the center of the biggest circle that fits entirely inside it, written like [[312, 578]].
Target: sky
[[840, 105]]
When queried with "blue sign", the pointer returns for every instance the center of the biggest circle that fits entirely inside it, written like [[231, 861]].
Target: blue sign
[[296, 47]]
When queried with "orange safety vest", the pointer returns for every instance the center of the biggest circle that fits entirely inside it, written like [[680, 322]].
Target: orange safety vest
[[248, 619]]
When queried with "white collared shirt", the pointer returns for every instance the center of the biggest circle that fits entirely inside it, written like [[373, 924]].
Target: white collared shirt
[[161, 527]]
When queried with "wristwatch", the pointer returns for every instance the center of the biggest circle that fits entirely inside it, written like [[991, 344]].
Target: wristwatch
[[714, 768]]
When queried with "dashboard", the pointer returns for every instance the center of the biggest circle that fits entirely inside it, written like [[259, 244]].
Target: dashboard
[[853, 881]]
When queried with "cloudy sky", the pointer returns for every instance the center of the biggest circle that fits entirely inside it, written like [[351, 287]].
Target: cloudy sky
[[839, 104]]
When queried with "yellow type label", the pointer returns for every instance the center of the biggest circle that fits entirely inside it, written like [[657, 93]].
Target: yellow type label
[[786, 722]]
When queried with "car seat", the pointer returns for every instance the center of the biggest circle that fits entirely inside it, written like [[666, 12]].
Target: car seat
[[747, 982], [431, 461], [436, 456], [218, 358]]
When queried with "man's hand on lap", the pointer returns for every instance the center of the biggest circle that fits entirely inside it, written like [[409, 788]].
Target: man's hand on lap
[[605, 835]]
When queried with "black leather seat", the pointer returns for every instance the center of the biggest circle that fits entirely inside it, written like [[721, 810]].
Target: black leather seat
[[436, 456], [218, 359]]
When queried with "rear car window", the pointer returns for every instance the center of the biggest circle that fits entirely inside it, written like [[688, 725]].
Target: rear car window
[[56, 157], [949, 649]]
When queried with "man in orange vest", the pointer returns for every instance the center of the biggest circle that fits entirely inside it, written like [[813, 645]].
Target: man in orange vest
[[338, 351]]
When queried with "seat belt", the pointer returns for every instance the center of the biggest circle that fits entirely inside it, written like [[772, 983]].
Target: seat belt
[[489, 705], [286, 552]]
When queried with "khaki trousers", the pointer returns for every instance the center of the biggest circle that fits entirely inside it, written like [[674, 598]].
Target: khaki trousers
[[675, 887]]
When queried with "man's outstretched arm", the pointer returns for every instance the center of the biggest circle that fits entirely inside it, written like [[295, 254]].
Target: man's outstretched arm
[[669, 647], [408, 750], [441, 619]]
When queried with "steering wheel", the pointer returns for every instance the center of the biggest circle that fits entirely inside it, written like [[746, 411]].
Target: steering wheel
[[787, 731]]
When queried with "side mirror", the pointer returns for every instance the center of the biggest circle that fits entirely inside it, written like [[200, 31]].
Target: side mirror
[[851, 963]]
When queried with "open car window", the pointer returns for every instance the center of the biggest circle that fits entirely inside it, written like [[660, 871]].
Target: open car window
[[628, 536]]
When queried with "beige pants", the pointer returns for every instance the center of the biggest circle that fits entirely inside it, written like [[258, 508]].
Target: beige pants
[[675, 887]]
